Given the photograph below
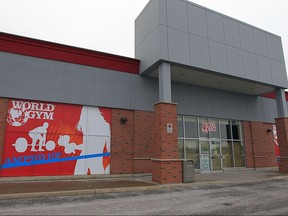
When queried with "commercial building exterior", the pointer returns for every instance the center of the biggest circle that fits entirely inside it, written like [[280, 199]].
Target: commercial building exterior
[[203, 86]]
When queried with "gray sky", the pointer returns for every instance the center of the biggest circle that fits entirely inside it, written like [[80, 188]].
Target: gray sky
[[108, 25]]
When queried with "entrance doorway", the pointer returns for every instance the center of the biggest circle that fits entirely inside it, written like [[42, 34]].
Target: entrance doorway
[[213, 144], [210, 155]]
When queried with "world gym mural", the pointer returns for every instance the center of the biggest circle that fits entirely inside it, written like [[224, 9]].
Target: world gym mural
[[56, 139]]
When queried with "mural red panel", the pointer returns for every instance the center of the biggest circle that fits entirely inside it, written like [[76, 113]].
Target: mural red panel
[[56, 139], [276, 146]]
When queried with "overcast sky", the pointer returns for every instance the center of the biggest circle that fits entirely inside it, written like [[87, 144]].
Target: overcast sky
[[108, 25]]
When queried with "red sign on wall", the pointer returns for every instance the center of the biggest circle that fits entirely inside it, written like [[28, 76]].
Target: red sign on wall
[[206, 127], [56, 139]]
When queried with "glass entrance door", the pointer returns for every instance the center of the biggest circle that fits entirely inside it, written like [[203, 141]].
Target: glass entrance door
[[204, 156], [216, 158], [210, 155]]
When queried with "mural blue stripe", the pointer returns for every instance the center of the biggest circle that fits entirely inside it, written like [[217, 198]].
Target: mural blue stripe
[[53, 160]]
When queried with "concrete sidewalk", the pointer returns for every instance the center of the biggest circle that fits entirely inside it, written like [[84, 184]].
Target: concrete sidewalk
[[75, 185]]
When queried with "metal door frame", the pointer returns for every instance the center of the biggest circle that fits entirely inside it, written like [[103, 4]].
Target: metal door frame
[[220, 155], [210, 153]]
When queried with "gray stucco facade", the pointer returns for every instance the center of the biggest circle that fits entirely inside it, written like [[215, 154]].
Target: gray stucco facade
[[179, 31], [220, 66], [47, 80]]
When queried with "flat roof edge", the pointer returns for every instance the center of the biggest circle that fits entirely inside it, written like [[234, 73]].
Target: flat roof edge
[[49, 50]]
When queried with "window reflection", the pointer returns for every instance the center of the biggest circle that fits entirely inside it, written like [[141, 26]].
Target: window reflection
[[181, 149], [180, 126], [203, 126], [236, 130], [214, 130], [238, 154], [225, 129], [191, 127], [227, 153], [196, 132], [192, 152]]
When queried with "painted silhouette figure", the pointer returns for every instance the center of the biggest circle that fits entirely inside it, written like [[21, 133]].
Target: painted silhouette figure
[[96, 141], [96, 134], [39, 133]]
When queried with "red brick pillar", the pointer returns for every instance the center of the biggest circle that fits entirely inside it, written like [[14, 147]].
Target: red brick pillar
[[282, 134], [4, 102], [166, 167]]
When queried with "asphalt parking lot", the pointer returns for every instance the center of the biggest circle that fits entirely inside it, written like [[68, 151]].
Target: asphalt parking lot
[[267, 197], [25, 187]]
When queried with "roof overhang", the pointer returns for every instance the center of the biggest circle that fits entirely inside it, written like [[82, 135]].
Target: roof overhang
[[211, 79]]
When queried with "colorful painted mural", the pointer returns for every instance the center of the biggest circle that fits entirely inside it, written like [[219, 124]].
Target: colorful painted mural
[[276, 146], [45, 139]]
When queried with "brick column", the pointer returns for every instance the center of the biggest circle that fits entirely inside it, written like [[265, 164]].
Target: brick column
[[166, 167], [4, 103], [282, 134]]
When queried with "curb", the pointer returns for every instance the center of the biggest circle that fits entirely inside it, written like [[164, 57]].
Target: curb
[[80, 192], [128, 189], [46, 194], [103, 190], [72, 178], [138, 188]]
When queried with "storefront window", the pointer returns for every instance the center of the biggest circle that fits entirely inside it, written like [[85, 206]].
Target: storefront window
[[213, 128], [227, 154], [204, 127], [236, 130], [192, 152], [239, 154], [180, 126], [225, 129], [213, 144], [191, 127], [181, 149]]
